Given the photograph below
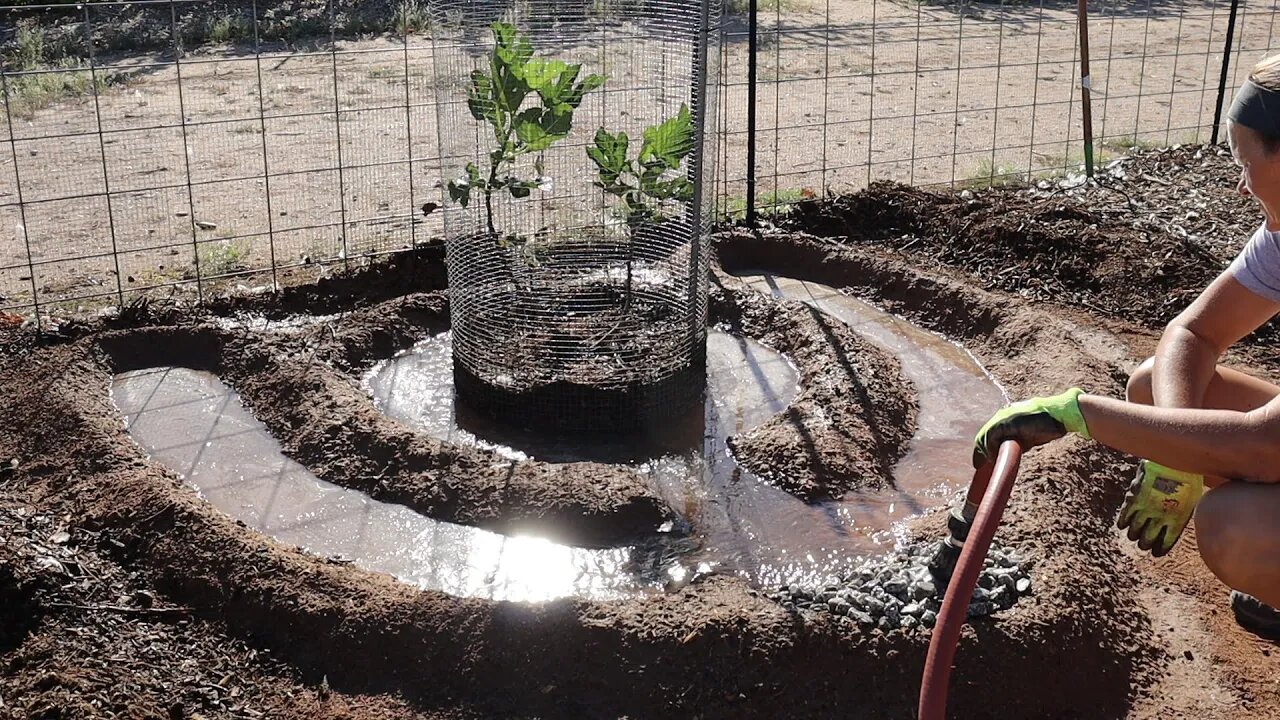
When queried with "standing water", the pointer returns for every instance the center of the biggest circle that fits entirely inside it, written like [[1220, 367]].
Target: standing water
[[731, 521], [195, 425], [736, 522]]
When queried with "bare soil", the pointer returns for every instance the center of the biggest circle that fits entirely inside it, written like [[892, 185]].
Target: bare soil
[[855, 413], [1108, 634], [301, 152]]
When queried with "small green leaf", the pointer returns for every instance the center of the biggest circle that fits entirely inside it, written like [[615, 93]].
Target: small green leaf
[[616, 146], [480, 98], [589, 83], [511, 46], [557, 125], [674, 189], [670, 141], [528, 126], [519, 189], [459, 192], [538, 128], [608, 176], [609, 154], [543, 74], [511, 52], [651, 171], [510, 90], [503, 33]]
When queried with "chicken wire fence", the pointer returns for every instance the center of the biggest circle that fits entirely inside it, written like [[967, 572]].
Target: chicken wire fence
[[190, 146], [577, 261]]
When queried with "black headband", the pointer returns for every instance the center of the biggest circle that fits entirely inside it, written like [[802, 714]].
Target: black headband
[[1257, 108]]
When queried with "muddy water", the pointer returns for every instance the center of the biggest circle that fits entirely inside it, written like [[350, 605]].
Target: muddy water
[[730, 521], [954, 395], [747, 383], [194, 424], [735, 522]]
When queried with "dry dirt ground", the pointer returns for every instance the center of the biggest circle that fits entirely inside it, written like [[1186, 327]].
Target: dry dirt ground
[[126, 596], [309, 152]]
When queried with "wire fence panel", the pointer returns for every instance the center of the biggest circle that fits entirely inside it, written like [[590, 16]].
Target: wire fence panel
[[189, 146], [192, 146], [987, 93], [561, 297]]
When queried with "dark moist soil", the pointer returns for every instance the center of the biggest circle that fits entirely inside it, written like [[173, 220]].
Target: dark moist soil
[[303, 386], [324, 420], [85, 636], [1137, 245], [1108, 634], [715, 648], [854, 415]]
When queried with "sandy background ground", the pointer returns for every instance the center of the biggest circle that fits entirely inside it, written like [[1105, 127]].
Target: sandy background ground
[[232, 162]]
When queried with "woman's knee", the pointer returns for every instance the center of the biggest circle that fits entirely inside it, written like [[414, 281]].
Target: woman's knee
[[1221, 536], [1138, 390]]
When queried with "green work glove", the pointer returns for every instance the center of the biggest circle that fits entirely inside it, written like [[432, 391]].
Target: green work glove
[[1030, 422], [1158, 506]]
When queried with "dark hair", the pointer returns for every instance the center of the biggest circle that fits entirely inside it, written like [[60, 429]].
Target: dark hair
[[1266, 75]]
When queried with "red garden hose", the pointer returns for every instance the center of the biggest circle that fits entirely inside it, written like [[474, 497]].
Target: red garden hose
[[955, 605]]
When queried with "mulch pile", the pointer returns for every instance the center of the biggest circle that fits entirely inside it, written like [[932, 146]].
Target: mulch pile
[[1138, 244]]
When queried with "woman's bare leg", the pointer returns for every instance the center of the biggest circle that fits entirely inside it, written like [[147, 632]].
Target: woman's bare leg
[[1237, 523]]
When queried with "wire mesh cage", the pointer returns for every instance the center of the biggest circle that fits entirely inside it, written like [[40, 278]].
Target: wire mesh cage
[[576, 142]]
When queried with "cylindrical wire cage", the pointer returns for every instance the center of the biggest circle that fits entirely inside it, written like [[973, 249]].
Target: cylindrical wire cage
[[577, 148]]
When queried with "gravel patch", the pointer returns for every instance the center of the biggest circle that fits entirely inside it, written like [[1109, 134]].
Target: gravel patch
[[898, 591]]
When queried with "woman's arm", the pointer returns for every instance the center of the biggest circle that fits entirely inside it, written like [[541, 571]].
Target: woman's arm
[[1224, 443], [1192, 343]]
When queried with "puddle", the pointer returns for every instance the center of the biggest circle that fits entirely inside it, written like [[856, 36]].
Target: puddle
[[954, 396], [738, 523], [194, 424], [747, 383]]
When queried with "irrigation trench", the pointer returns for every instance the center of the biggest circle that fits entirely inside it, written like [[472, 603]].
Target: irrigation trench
[[655, 654], [232, 460], [198, 427]]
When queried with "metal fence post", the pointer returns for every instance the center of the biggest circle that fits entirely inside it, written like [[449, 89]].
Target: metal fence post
[[266, 155], [22, 206], [1086, 106], [176, 39], [102, 154], [752, 51], [1222, 78], [337, 130]]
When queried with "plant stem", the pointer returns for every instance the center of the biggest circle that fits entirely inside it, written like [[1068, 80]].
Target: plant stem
[[488, 209], [507, 129], [631, 253]]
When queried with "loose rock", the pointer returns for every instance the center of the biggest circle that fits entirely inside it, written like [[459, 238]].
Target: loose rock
[[898, 590]]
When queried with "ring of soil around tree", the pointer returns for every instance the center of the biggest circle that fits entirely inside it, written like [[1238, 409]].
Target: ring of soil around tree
[[851, 421], [324, 420], [717, 647], [855, 413]]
